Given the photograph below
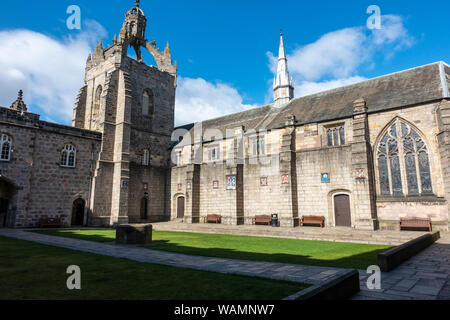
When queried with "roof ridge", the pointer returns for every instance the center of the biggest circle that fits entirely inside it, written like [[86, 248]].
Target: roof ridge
[[236, 113], [367, 80]]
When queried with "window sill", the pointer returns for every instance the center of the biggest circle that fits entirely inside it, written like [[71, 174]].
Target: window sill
[[428, 198], [66, 167]]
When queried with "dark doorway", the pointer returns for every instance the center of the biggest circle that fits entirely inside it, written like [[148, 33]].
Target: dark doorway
[[180, 207], [144, 208], [342, 210], [79, 206], [4, 205]]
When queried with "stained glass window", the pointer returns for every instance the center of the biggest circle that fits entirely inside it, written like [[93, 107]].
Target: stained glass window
[[403, 162]]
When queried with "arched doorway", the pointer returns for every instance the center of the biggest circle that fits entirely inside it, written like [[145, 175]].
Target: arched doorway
[[78, 209], [180, 207], [7, 192], [342, 210], [144, 208]]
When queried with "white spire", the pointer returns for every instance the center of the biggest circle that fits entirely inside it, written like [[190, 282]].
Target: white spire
[[282, 87]]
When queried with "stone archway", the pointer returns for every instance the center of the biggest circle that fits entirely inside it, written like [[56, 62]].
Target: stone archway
[[7, 192]]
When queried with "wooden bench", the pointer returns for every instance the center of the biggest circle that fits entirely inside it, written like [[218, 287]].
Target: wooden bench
[[213, 218], [50, 223], [415, 223], [262, 219], [314, 220]]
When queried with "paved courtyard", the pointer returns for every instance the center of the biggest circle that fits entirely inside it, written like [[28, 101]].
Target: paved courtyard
[[425, 276]]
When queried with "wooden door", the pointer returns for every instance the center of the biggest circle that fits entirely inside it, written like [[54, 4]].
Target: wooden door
[[180, 207], [342, 210]]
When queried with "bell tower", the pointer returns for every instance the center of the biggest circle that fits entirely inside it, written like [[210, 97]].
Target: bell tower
[[132, 104], [133, 30]]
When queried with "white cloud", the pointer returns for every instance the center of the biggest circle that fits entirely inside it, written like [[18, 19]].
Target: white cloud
[[305, 88], [199, 100], [337, 57], [50, 71]]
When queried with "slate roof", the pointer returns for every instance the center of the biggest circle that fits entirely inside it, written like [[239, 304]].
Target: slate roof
[[401, 89]]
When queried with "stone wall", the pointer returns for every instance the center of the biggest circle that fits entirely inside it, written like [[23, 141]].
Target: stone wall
[[45, 188]]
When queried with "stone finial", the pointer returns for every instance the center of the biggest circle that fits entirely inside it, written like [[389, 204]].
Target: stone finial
[[137, 3], [19, 105], [290, 120], [359, 106]]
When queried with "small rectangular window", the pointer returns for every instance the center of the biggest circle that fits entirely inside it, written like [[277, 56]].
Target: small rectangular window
[[336, 136], [258, 146], [213, 153], [146, 158]]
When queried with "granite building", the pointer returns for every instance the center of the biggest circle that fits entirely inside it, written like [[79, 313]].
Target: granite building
[[362, 156]]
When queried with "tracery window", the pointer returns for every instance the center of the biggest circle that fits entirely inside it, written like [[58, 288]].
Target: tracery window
[[68, 156], [403, 162], [5, 147]]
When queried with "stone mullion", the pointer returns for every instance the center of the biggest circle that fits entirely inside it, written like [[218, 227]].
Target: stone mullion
[[402, 161], [416, 159]]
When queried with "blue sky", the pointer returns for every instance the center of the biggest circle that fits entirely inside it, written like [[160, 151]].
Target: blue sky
[[223, 48]]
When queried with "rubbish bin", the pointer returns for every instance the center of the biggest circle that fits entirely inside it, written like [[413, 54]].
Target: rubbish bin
[[274, 220]]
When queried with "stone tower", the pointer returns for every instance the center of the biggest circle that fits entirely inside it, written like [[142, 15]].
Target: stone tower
[[132, 105], [283, 90]]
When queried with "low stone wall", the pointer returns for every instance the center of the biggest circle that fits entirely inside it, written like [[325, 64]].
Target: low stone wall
[[389, 260], [341, 287]]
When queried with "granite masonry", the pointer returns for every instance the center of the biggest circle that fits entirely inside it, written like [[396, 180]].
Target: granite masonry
[[362, 156]]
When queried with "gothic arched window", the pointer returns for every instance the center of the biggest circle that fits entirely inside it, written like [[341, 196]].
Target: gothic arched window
[[403, 162], [147, 103], [97, 100], [5, 147], [68, 156]]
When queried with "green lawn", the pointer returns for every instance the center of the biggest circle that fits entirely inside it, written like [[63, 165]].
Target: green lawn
[[35, 271], [306, 252]]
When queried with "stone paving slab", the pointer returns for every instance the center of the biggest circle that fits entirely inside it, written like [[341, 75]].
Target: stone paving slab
[[312, 275], [423, 277]]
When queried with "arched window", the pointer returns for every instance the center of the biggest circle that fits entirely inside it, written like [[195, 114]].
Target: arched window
[[144, 208], [97, 100], [146, 157], [68, 156], [403, 162], [147, 103], [5, 147]]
